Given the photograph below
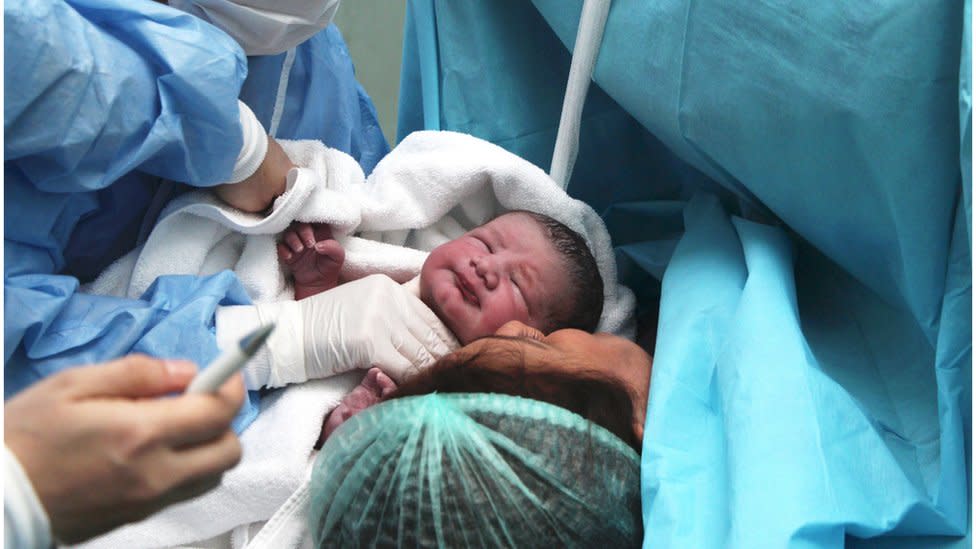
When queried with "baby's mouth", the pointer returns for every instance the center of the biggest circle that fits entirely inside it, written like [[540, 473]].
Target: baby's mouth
[[466, 290]]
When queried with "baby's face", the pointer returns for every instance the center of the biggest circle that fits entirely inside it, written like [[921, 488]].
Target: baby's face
[[504, 270]]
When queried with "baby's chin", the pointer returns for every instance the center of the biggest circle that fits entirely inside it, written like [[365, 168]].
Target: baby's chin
[[464, 325], [458, 325]]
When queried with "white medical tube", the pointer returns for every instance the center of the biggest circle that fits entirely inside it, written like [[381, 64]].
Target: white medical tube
[[593, 19]]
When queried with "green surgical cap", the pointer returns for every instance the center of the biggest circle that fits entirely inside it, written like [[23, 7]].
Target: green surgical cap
[[474, 470]]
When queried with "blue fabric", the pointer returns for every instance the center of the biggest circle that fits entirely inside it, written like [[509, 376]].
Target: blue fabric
[[793, 172], [100, 102], [69, 131], [966, 114], [795, 409], [173, 319], [103, 99]]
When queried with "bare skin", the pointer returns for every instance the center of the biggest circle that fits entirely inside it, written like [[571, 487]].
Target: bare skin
[[570, 349], [256, 193], [506, 269]]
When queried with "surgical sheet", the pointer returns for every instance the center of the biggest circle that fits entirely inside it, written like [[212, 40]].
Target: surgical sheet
[[798, 177]]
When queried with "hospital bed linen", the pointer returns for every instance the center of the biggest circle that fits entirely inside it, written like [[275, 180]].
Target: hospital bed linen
[[793, 173]]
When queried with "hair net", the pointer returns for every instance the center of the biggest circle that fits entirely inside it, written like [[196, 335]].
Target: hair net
[[482, 470]]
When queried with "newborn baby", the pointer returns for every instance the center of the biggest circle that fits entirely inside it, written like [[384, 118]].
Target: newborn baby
[[519, 266]]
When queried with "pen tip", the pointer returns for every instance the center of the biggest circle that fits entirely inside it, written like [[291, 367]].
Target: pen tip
[[253, 341]]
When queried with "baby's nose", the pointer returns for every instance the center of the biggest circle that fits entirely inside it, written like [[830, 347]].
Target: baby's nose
[[484, 267]]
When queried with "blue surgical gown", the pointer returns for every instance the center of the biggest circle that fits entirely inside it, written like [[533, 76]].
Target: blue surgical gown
[[813, 358], [104, 100]]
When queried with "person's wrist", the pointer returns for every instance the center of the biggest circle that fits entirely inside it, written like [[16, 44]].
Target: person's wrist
[[275, 177], [276, 167]]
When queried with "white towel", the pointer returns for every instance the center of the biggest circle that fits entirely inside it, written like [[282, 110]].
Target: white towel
[[431, 188]]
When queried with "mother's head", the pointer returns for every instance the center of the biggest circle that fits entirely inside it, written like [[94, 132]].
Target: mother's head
[[482, 470], [558, 468]]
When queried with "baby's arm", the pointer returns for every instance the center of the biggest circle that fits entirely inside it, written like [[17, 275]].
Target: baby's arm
[[313, 256]]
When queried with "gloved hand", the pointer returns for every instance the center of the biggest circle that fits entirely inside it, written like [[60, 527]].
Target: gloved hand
[[368, 322]]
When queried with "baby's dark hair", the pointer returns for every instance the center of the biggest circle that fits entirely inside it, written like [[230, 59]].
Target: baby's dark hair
[[593, 395], [586, 285]]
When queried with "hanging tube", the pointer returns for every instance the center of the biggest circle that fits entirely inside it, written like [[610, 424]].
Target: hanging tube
[[588, 37]]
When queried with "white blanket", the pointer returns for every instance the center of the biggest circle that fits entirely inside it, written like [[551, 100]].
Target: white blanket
[[431, 188]]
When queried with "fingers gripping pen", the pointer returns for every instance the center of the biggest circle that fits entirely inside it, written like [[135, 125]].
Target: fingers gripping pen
[[230, 361]]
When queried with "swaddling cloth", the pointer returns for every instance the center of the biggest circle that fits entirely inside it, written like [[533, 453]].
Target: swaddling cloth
[[431, 188]]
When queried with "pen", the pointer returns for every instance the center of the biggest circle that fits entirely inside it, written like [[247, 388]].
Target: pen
[[231, 360]]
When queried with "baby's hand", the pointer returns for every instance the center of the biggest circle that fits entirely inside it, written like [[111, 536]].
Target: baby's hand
[[373, 389], [313, 256]]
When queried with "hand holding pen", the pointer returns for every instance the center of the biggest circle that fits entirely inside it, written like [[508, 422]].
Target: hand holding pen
[[99, 447]]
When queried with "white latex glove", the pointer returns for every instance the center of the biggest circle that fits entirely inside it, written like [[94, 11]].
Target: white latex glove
[[372, 321]]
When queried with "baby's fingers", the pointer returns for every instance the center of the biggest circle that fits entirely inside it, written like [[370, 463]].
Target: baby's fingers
[[331, 249], [293, 241], [305, 233], [284, 254]]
